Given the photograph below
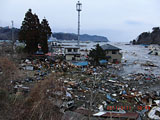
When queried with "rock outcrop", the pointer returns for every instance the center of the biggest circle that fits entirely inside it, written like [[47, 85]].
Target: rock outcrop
[[148, 38]]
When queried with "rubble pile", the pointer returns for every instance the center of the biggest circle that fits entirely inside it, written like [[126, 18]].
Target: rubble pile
[[103, 88], [93, 88]]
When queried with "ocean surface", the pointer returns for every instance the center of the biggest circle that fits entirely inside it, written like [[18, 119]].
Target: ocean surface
[[136, 55]]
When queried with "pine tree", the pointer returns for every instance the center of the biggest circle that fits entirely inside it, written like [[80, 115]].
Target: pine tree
[[97, 54], [29, 32], [45, 33]]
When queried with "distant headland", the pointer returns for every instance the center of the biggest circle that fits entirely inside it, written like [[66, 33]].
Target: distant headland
[[6, 34]]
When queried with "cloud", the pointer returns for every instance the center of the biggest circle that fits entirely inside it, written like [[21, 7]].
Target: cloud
[[105, 17], [132, 22]]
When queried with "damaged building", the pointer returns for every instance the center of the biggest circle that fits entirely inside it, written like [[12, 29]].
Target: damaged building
[[113, 54]]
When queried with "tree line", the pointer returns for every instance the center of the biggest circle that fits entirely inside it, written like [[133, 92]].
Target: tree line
[[34, 33]]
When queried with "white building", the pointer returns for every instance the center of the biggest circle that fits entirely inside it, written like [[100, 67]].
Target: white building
[[72, 53]]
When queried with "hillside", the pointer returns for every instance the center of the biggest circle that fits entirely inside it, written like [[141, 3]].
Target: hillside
[[84, 37], [94, 38], [149, 38], [6, 34]]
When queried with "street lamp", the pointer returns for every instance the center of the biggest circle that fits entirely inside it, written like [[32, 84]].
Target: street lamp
[[79, 9], [79, 6]]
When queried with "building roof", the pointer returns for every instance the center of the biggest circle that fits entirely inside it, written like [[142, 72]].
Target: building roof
[[109, 47], [105, 114], [125, 115]]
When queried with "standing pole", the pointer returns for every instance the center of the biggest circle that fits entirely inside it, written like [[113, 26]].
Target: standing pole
[[79, 9], [12, 36], [78, 28], [12, 31]]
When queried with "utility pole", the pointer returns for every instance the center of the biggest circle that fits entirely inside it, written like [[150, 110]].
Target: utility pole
[[79, 9]]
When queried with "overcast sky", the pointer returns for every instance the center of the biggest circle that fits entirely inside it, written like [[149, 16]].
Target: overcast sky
[[118, 20]]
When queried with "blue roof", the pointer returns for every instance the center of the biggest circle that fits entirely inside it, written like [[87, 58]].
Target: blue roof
[[103, 61], [84, 63]]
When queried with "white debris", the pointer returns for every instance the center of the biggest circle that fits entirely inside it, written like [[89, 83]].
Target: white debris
[[101, 108], [99, 114], [29, 68], [152, 113], [157, 102], [68, 94]]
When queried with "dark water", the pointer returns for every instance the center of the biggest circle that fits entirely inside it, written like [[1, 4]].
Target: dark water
[[138, 54]]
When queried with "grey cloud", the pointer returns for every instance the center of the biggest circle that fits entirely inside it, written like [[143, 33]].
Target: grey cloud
[[111, 18]]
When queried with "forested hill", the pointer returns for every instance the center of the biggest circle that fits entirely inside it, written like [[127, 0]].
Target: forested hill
[[84, 37], [149, 37], [6, 34]]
